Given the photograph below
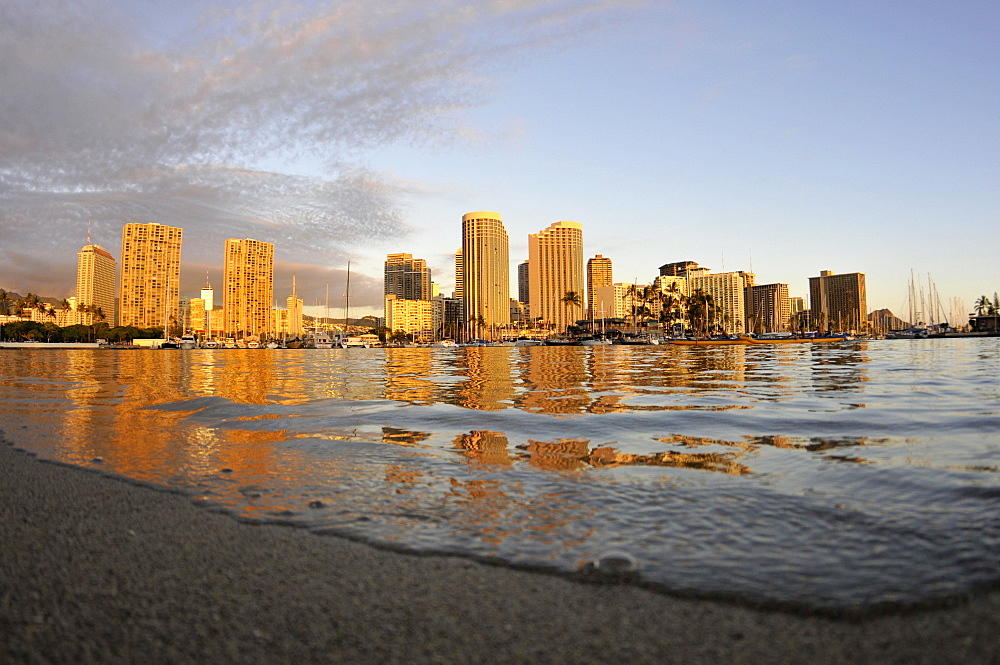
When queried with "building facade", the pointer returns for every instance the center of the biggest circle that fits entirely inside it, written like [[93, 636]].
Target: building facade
[[555, 268], [523, 282], [485, 274], [413, 317], [767, 308], [248, 288], [150, 276], [407, 278], [598, 275], [728, 297], [838, 302], [96, 272]]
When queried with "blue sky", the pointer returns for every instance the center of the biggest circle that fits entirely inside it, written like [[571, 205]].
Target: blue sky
[[786, 137]]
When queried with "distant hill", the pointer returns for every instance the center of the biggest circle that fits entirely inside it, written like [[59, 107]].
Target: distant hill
[[13, 295], [884, 319]]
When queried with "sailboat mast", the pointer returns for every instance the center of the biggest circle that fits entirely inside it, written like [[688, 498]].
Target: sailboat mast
[[347, 300]]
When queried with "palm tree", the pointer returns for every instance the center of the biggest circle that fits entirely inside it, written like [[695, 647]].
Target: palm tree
[[571, 298], [700, 308], [983, 305]]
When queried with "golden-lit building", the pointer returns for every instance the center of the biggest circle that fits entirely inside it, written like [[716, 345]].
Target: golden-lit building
[[199, 317], [615, 299], [407, 278], [485, 273], [555, 268], [95, 281], [150, 276], [767, 308], [293, 305], [414, 317], [728, 292], [598, 275], [838, 302], [247, 288]]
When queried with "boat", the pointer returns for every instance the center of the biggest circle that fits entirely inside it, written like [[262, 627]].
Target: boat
[[446, 343], [354, 342], [211, 344], [528, 341], [272, 345], [253, 344], [188, 341], [594, 341], [796, 339], [561, 341], [170, 344], [705, 341], [320, 340]]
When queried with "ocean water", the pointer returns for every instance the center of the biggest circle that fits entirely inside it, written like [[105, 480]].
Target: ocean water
[[846, 476]]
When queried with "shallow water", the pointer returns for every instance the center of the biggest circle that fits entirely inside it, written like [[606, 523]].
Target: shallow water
[[842, 476]]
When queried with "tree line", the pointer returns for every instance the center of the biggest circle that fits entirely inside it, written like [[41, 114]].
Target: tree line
[[48, 331]]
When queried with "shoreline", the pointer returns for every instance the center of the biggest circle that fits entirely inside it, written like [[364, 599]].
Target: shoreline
[[96, 569]]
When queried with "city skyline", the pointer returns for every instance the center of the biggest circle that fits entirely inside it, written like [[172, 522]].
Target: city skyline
[[847, 137]]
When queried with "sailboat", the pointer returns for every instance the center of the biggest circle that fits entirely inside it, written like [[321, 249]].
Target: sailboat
[[347, 340]]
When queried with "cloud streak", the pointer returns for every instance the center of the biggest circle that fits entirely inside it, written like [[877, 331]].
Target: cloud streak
[[185, 134]]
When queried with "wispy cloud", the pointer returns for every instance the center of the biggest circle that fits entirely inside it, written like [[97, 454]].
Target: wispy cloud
[[95, 123]]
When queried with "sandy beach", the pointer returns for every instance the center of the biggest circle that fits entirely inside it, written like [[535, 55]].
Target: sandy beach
[[95, 569]]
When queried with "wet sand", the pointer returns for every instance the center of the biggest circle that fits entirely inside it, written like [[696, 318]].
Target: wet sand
[[95, 569]]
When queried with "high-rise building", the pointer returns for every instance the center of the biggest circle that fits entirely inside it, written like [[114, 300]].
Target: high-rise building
[[293, 305], [95, 282], [523, 283], [728, 297], [247, 288], [678, 268], [407, 278], [485, 273], [838, 302], [459, 275], [598, 275], [555, 266], [767, 308], [150, 276]]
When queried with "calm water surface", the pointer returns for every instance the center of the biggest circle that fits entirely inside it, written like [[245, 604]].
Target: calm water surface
[[842, 476]]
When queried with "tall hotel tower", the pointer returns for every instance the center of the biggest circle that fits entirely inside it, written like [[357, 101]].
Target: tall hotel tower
[[598, 275], [838, 302], [150, 279], [485, 272], [555, 266], [95, 280], [407, 278], [247, 288]]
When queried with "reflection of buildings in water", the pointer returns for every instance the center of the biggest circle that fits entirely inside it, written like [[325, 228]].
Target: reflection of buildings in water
[[713, 366], [244, 376], [403, 437], [490, 386], [405, 478], [555, 380], [573, 454], [484, 447], [837, 367], [816, 444], [407, 373], [88, 394], [561, 455], [606, 456]]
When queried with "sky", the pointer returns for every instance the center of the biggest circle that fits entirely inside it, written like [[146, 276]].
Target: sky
[[781, 138]]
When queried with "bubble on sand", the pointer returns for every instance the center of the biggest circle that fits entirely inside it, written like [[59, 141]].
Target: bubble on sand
[[616, 562]]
